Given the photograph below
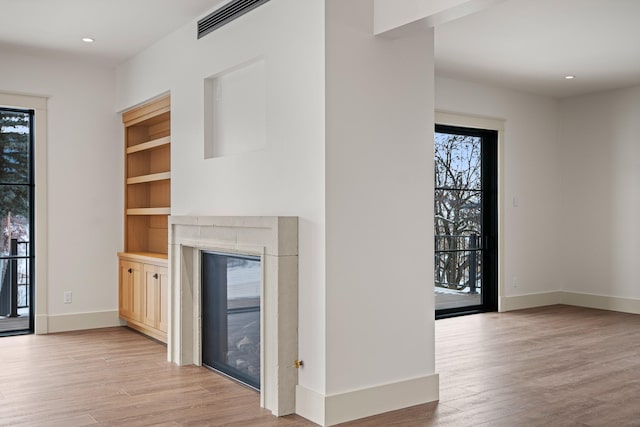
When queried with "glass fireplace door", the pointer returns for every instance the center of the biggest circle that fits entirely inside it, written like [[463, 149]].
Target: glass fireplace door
[[231, 315]]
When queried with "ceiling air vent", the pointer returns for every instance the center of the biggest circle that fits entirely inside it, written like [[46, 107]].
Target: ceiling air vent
[[226, 14]]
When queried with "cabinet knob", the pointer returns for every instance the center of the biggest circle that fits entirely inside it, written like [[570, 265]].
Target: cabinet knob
[[130, 270], [155, 276]]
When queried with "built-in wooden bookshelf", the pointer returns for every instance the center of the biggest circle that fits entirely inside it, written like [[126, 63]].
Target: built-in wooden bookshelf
[[143, 281]]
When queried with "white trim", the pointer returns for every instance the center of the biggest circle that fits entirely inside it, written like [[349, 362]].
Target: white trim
[[39, 104], [469, 121], [520, 302], [23, 101], [602, 302], [353, 405], [310, 405], [489, 123], [578, 299], [41, 323], [80, 321], [384, 398]]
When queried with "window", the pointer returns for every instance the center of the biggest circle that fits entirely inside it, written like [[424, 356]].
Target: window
[[16, 220], [465, 220], [38, 253]]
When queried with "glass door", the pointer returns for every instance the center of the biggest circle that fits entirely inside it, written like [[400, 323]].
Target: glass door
[[231, 315], [465, 221], [16, 221]]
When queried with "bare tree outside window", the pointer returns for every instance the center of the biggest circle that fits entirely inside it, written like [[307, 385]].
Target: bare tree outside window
[[14, 171], [458, 211]]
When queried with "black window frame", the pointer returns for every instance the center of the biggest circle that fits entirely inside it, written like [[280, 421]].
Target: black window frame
[[489, 239], [31, 244]]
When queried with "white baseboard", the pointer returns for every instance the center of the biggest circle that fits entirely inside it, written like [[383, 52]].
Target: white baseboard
[[602, 302], [520, 302], [41, 324], [79, 321], [310, 405], [343, 407]]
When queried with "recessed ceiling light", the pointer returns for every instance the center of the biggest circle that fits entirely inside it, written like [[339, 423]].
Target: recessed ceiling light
[[88, 40], [570, 77]]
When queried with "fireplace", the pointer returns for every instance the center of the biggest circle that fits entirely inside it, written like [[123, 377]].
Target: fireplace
[[231, 315], [271, 242]]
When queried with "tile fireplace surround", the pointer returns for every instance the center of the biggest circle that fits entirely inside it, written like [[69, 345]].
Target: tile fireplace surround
[[275, 241]]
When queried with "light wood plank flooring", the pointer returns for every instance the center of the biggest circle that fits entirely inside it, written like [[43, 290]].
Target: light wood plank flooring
[[551, 366]]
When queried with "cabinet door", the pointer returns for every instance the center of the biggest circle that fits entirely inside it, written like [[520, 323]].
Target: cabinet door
[[130, 290], [149, 315], [156, 294]]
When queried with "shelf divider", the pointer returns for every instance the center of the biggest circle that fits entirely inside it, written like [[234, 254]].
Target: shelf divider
[[149, 211], [149, 145], [149, 178]]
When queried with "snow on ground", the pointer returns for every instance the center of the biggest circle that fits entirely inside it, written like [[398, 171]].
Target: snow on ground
[[439, 290]]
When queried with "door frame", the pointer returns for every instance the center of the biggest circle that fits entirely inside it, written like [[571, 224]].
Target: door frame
[[40, 267], [30, 258], [495, 124]]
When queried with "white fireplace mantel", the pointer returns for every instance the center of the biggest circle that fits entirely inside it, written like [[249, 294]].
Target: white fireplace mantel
[[275, 241]]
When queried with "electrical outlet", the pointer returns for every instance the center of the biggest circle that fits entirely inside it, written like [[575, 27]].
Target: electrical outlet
[[515, 283], [68, 297]]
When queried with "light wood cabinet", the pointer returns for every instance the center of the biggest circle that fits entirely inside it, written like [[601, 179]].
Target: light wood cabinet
[[156, 292], [144, 293], [130, 290], [147, 184]]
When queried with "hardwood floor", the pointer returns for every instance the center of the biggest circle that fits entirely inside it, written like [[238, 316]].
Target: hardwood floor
[[116, 377], [550, 366]]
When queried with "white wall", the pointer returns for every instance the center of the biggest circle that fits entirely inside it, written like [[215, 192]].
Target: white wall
[[376, 301], [380, 304], [574, 165], [600, 160], [392, 14], [84, 180], [531, 172], [286, 177]]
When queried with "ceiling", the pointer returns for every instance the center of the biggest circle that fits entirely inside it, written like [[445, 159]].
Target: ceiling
[[121, 28], [529, 45]]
